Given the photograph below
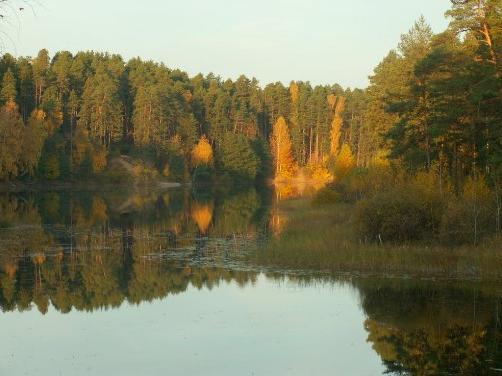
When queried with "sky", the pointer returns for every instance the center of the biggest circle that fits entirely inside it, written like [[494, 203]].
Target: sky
[[321, 41]]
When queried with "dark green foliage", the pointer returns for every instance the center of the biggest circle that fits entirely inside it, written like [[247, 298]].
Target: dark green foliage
[[395, 215], [53, 163], [202, 175], [237, 158], [261, 150]]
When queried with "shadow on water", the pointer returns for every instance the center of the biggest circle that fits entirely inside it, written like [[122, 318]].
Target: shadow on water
[[88, 252]]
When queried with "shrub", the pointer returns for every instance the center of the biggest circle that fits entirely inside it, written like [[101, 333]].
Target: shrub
[[362, 183], [402, 210], [326, 196], [467, 218], [395, 215]]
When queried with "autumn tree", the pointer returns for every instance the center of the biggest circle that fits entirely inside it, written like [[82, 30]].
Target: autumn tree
[[202, 153], [344, 162], [337, 105], [280, 145]]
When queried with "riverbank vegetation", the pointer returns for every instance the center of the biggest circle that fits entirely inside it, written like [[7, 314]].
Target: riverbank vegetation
[[326, 239]]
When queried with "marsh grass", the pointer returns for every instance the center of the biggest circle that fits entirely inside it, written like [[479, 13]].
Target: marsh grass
[[325, 239]]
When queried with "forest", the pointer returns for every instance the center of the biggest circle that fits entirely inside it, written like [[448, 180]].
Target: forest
[[434, 101], [69, 116]]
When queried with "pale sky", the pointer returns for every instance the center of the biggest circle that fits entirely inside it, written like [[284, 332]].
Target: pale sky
[[321, 41]]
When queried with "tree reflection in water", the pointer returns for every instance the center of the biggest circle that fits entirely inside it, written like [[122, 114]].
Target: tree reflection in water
[[431, 328], [97, 251], [94, 251]]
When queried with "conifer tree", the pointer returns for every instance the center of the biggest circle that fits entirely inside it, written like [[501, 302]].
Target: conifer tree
[[237, 157], [8, 93], [101, 108], [484, 19], [40, 70]]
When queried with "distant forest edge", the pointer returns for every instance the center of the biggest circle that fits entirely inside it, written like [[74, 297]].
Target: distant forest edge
[[435, 102]]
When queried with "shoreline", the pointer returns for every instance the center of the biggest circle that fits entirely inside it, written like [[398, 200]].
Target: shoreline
[[76, 186], [323, 240]]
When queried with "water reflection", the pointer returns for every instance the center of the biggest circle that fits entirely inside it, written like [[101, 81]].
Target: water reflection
[[96, 250], [430, 328], [83, 252]]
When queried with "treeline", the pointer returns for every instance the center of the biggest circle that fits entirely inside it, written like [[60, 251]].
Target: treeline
[[434, 101], [69, 115]]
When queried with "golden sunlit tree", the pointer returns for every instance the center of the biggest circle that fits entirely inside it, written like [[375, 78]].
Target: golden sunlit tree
[[280, 144], [338, 105], [344, 162], [202, 153]]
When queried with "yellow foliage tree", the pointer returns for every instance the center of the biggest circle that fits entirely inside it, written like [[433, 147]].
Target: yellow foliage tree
[[202, 153], [294, 92], [10, 106], [338, 105], [344, 162], [319, 174], [280, 144], [380, 159]]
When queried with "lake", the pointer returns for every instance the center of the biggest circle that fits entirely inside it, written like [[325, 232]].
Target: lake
[[164, 282]]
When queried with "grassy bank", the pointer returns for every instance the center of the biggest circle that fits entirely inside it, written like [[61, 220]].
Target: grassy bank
[[324, 239]]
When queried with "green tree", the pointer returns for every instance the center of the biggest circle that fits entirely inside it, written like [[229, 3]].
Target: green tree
[[40, 71], [101, 109], [8, 93], [237, 158]]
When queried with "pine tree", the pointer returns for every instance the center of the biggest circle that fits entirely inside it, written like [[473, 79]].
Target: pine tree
[[237, 158], [9, 90], [40, 70], [484, 19], [101, 109], [26, 88]]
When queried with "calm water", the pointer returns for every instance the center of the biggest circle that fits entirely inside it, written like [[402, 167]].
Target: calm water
[[156, 283]]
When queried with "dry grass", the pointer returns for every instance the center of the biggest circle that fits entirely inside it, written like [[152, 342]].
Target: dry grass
[[323, 239]]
